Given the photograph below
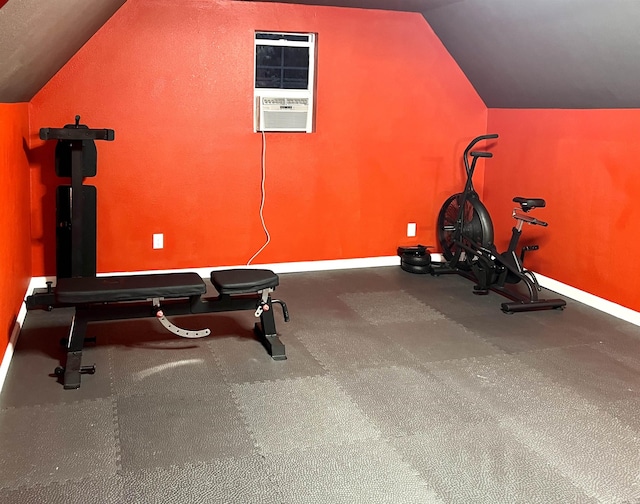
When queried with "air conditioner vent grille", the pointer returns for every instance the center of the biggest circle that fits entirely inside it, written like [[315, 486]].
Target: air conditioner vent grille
[[284, 113]]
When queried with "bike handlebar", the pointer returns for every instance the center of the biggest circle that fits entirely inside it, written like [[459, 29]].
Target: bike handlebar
[[476, 154], [478, 139]]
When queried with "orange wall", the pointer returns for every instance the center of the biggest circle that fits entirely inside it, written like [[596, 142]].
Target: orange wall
[[15, 257], [174, 80], [585, 164]]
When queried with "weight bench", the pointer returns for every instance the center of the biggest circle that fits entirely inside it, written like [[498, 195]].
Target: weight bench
[[137, 296]]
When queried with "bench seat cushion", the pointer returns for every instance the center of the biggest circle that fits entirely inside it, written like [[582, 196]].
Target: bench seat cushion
[[243, 281], [128, 288]]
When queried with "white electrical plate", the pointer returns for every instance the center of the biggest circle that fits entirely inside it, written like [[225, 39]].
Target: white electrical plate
[[158, 241]]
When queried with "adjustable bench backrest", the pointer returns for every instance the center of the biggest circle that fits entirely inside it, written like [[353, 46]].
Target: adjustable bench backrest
[[111, 289]]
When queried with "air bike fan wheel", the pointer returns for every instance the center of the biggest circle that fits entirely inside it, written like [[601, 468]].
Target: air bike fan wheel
[[476, 228], [415, 259]]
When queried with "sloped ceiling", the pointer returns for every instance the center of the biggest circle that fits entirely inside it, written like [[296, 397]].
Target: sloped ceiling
[[545, 53], [516, 53], [37, 37]]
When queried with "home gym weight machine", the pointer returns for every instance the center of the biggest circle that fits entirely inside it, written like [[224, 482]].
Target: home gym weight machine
[[123, 297], [76, 157], [465, 233]]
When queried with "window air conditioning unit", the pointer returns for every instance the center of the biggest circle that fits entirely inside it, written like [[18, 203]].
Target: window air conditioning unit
[[283, 114]]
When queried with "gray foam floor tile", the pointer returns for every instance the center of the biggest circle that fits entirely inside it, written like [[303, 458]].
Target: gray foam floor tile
[[523, 332], [86, 491], [237, 325], [583, 324], [233, 480], [353, 280], [160, 430], [306, 295], [334, 313], [399, 388], [46, 320], [388, 307], [354, 473], [242, 362], [626, 411], [352, 347], [402, 401], [289, 415], [483, 463], [143, 333], [516, 342], [73, 441], [35, 372], [502, 385], [593, 374], [440, 339], [520, 332], [453, 296], [597, 452], [394, 277], [622, 347], [172, 365], [38, 352]]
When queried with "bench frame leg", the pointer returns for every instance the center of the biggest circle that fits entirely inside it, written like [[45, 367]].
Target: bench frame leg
[[265, 330], [73, 364], [267, 334]]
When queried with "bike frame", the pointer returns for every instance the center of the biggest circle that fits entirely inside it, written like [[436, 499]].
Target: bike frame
[[483, 264], [469, 195]]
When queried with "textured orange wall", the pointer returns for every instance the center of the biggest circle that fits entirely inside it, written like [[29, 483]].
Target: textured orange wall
[[174, 80], [585, 164], [15, 257]]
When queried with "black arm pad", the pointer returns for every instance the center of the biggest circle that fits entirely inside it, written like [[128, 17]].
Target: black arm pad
[[76, 134]]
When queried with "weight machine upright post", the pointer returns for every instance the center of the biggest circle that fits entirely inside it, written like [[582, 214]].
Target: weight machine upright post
[[77, 205]]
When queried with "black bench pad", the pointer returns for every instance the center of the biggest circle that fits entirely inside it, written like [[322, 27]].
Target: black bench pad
[[128, 288], [243, 281]]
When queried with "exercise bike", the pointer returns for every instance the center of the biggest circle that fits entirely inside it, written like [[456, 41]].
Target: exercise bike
[[465, 233]]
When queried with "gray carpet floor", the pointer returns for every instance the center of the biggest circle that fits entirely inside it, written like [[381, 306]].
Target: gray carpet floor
[[398, 388]]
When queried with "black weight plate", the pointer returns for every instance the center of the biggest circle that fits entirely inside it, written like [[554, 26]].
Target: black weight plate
[[421, 270], [416, 260]]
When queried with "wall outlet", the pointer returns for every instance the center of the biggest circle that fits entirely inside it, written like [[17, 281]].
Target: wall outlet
[[411, 229], [158, 241]]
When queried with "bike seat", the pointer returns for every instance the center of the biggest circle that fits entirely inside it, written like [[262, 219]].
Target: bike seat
[[529, 203]]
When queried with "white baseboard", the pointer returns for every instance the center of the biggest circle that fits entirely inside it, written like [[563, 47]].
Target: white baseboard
[[13, 339], [596, 302]]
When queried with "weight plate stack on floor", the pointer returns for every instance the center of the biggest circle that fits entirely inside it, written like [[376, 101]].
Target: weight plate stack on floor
[[415, 259]]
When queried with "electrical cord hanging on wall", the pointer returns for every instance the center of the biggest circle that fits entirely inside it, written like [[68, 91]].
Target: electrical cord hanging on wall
[[262, 199]]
